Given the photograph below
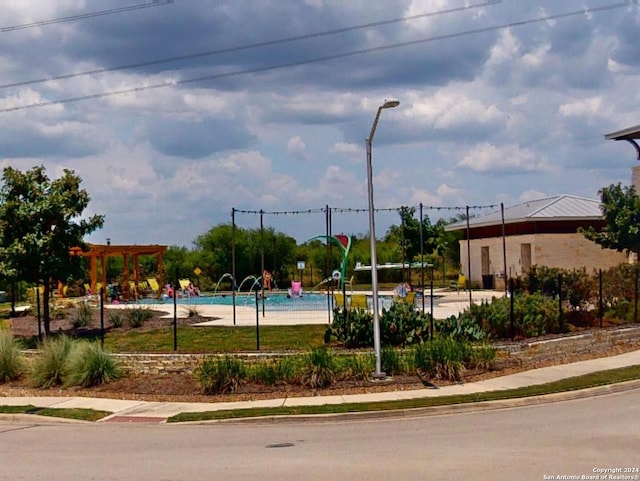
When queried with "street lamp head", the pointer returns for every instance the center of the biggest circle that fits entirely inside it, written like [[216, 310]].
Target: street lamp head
[[390, 103]]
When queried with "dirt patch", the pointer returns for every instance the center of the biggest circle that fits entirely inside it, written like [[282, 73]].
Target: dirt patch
[[62, 321]]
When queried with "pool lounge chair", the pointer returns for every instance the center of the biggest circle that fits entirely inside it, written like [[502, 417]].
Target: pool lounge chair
[[339, 301], [359, 301], [155, 287], [409, 298]]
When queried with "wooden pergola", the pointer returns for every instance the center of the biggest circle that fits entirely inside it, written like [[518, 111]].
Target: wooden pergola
[[100, 253]]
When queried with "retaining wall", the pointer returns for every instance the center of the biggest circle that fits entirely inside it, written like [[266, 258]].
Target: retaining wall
[[527, 352], [567, 347]]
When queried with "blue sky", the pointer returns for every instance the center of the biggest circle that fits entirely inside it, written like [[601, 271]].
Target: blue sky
[[490, 111]]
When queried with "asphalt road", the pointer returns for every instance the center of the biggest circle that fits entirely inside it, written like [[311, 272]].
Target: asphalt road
[[570, 438]]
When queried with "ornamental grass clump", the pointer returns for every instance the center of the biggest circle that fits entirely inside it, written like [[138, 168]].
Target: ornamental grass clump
[[83, 316], [90, 365], [11, 361], [51, 367], [358, 366], [441, 358], [319, 368], [282, 371], [391, 360], [220, 375], [137, 316]]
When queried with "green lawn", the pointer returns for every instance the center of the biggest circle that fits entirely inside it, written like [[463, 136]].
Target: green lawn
[[218, 339], [602, 378]]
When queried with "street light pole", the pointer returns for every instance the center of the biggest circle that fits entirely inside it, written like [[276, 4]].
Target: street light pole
[[378, 374]]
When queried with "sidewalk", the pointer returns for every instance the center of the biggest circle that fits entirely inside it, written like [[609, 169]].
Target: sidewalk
[[158, 412]]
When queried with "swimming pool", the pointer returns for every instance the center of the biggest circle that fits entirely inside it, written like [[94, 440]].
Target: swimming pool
[[273, 302]]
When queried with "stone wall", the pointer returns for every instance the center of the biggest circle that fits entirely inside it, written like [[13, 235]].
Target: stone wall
[[525, 353], [565, 251], [567, 347]]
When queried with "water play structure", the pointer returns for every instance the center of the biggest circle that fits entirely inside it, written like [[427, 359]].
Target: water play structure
[[344, 243]]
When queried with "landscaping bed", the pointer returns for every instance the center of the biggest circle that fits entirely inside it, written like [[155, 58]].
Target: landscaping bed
[[184, 387]]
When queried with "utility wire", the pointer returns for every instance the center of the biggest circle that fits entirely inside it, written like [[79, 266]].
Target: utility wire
[[268, 43], [155, 3], [317, 59]]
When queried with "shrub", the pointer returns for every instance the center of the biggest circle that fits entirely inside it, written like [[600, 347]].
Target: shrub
[[11, 362], [57, 311], [90, 365], [352, 327], [319, 368], [281, 371], [83, 316], [115, 318], [402, 324], [221, 375], [358, 366], [441, 358], [463, 327], [482, 357], [137, 316], [391, 361], [534, 315], [51, 367]]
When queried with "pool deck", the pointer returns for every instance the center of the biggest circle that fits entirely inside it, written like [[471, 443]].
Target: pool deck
[[446, 303]]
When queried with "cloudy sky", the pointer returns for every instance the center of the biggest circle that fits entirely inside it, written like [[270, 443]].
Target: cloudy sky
[[175, 113]]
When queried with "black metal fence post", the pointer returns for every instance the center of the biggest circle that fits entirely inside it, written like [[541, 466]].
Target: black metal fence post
[[635, 295], [560, 320], [175, 312], [512, 320], [37, 293], [600, 301], [257, 322], [102, 317], [430, 301]]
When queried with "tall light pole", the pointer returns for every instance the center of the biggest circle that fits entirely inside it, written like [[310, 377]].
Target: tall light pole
[[378, 374]]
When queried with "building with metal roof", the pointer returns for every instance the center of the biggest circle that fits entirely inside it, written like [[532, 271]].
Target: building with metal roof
[[539, 232]]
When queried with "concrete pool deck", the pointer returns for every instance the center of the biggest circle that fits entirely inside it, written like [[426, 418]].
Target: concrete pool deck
[[446, 303]]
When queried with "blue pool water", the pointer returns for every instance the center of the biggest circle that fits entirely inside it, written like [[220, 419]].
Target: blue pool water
[[274, 302]]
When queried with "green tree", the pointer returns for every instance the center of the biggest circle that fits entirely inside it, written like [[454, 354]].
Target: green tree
[[215, 252], [407, 234], [40, 221], [621, 209]]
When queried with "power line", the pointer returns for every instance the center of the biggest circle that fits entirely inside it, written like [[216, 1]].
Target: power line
[[267, 43], [317, 59], [155, 3]]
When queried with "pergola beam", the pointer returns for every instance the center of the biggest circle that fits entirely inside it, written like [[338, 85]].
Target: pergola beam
[[98, 252]]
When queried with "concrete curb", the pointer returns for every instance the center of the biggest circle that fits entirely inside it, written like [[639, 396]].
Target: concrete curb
[[434, 410]]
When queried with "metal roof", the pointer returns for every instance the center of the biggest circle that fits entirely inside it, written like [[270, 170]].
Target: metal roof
[[630, 134], [625, 134], [558, 208]]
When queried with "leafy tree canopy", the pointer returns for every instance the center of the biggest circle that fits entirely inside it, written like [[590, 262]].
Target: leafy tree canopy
[[40, 220], [621, 209]]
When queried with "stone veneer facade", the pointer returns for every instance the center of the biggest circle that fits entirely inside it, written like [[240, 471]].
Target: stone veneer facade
[[566, 251]]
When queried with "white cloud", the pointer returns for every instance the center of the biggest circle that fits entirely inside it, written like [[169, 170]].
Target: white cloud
[[589, 107], [502, 115], [297, 148], [488, 158]]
